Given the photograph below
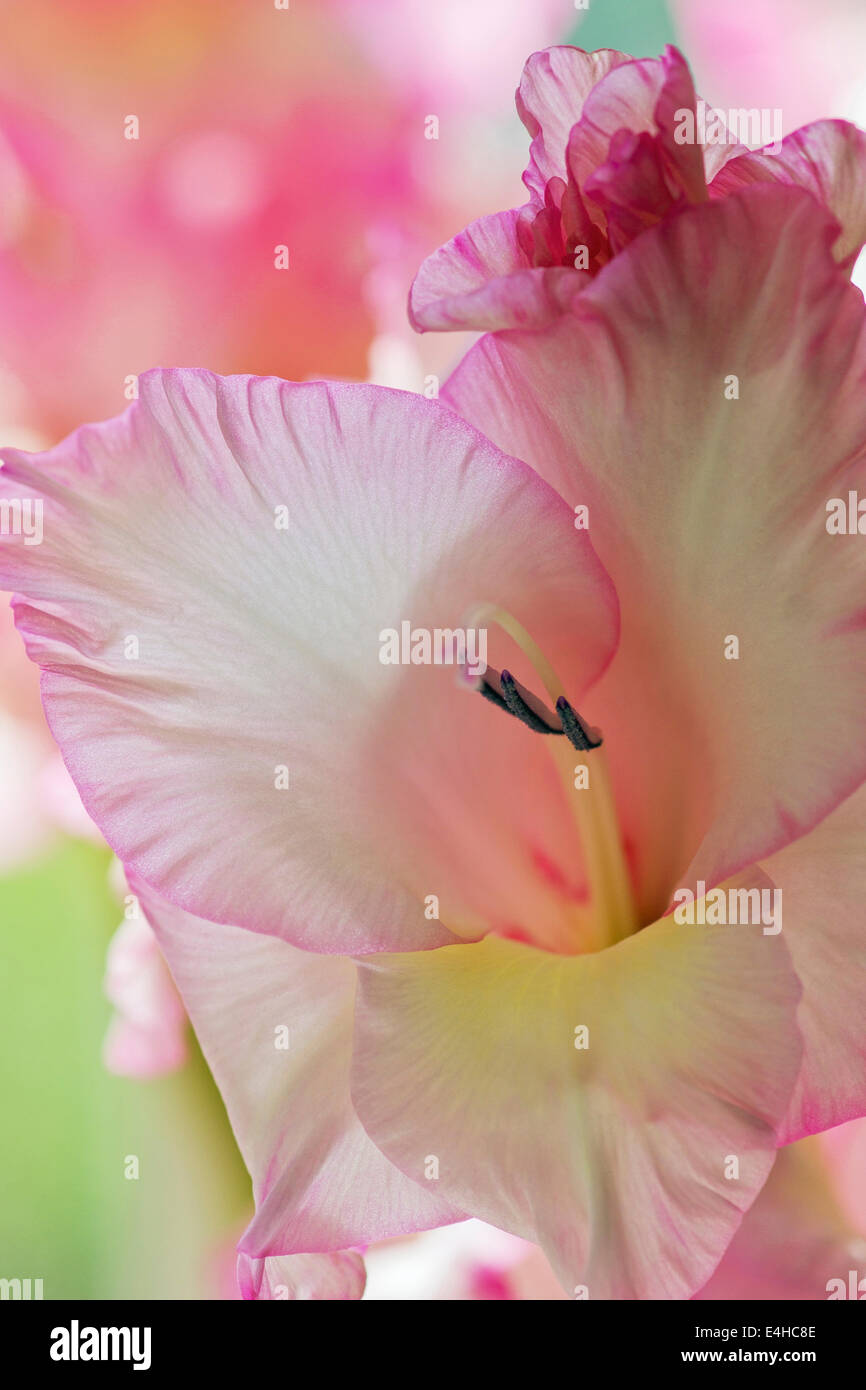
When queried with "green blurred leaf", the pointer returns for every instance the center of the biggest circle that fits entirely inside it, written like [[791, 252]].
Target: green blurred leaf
[[67, 1213]]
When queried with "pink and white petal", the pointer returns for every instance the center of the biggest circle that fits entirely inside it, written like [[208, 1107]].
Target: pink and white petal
[[822, 878], [827, 158], [481, 279], [793, 1240], [677, 94], [336, 1278], [529, 298], [632, 188], [207, 603], [554, 86], [720, 153], [639, 96], [275, 1024], [612, 1157], [709, 513]]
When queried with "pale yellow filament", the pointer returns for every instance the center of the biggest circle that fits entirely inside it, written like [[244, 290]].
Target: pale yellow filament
[[614, 916]]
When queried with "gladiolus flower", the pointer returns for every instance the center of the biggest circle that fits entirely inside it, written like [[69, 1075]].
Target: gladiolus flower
[[424, 936]]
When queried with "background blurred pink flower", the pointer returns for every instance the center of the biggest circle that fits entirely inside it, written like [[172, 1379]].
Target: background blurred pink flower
[[37, 796], [254, 128], [147, 1033], [807, 59]]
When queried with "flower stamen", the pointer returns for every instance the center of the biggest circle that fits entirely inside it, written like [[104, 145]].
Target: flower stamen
[[504, 691], [592, 803], [577, 733]]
